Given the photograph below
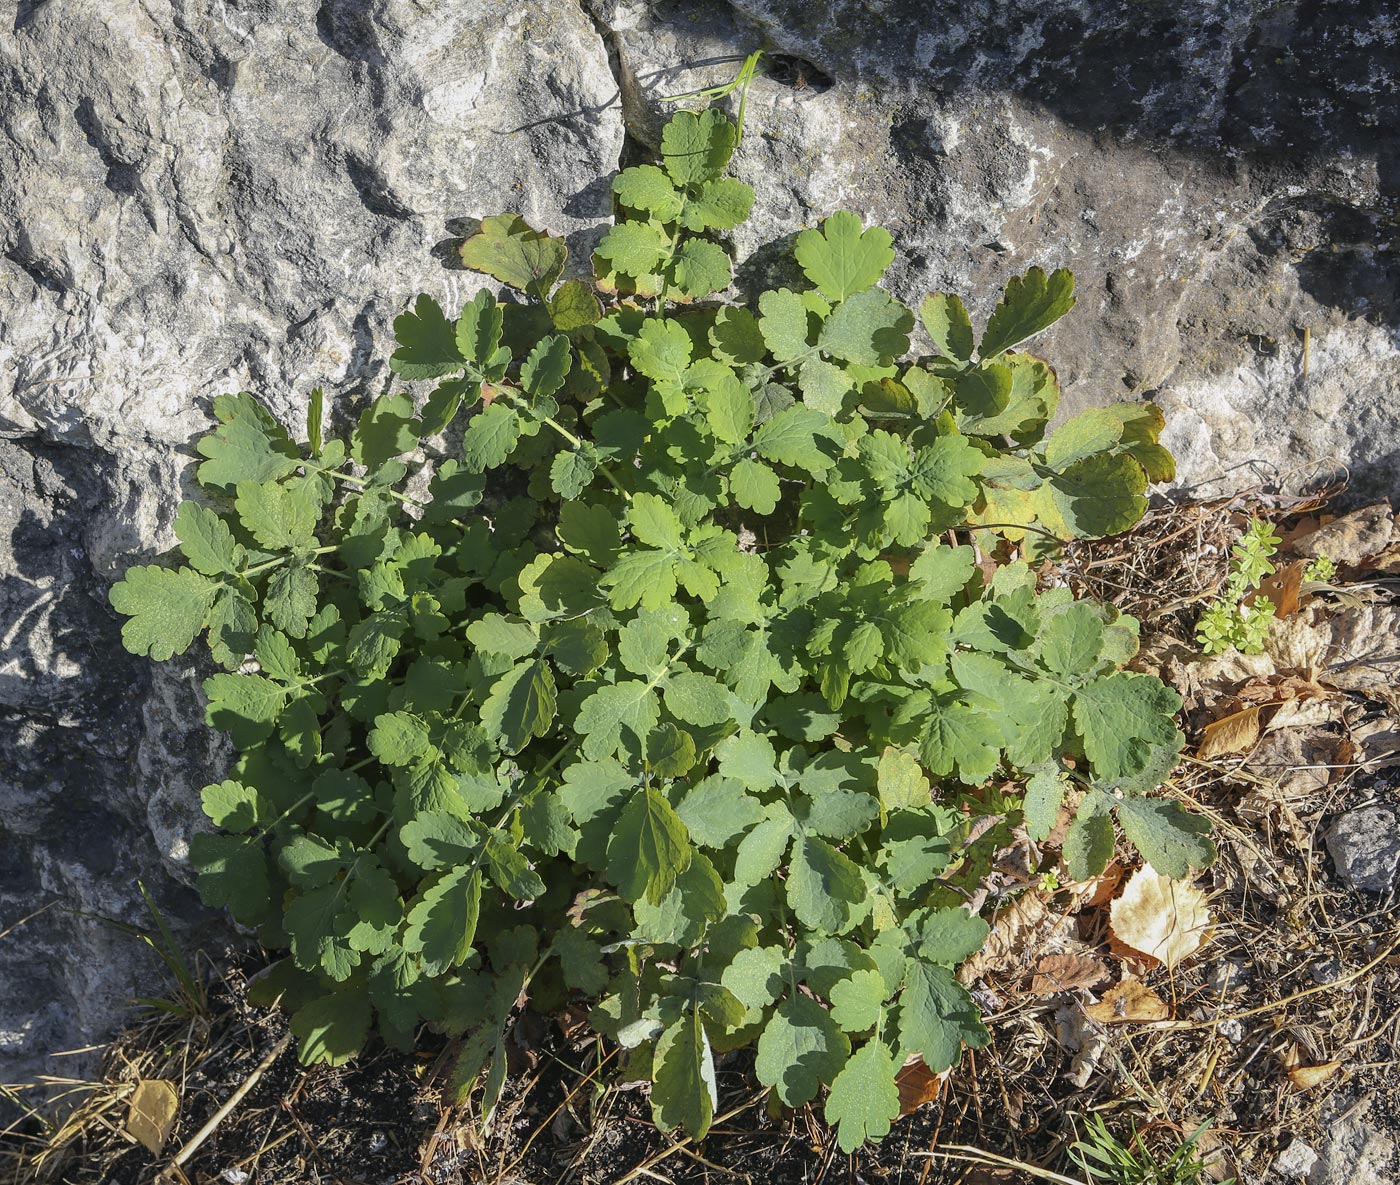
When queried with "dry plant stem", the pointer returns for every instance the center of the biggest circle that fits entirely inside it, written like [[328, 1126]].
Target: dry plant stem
[[644, 1169], [564, 1102], [1350, 977], [8, 930], [233, 1100], [968, 1154]]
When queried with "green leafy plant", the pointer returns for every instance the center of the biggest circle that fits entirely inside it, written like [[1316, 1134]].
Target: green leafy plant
[[1103, 1158], [1236, 618], [1321, 569], [672, 681]]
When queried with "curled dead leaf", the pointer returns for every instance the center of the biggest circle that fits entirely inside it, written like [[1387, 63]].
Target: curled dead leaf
[[1129, 1002], [1306, 1077], [1164, 919], [1236, 733], [917, 1085]]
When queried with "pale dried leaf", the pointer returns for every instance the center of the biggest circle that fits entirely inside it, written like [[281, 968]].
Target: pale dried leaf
[[1129, 1002], [1081, 1038], [1020, 932], [154, 1105], [1206, 680], [1377, 743], [1164, 919], [1357, 649], [1388, 561], [1305, 713], [1236, 733], [1298, 762], [1351, 539]]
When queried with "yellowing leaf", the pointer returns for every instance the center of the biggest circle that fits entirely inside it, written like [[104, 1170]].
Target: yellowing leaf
[[1235, 733], [509, 249], [150, 1118], [1164, 919]]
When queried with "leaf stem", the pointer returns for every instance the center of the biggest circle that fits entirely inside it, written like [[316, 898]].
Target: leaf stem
[[362, 484], [331, 572], [516, 397], [765, 371], [285, 815], [281, 559]]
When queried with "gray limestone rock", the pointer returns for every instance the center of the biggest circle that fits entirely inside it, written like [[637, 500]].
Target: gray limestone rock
[[1227, 206], [199, 196], [1355, 1152], [1296, 1161], [195, 198], [1365, 847]]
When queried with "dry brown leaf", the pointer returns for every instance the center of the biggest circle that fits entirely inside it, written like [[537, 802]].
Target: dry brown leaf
[[1103, 889], [1282, 589], [1279, 688], [1164, 919], [1129, 1002], [1299, 762], [1236, 733], [918, 1085], [1306, 1077], [1301, 528], [1020, 933], [154, 1105], [1351, 539], [1063, 973]]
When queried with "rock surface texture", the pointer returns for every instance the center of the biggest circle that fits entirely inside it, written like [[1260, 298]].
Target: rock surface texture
[[220, 194], [1365, 847]]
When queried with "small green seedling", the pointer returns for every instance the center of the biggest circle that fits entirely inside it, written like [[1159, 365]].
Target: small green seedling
[[1238, 619]]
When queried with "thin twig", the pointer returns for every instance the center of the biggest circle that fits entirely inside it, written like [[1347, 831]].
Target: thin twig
[[233, 1100], [1350, 977], [968, 1154]]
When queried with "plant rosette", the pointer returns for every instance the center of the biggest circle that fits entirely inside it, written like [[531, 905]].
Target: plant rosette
[[670, 686]]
